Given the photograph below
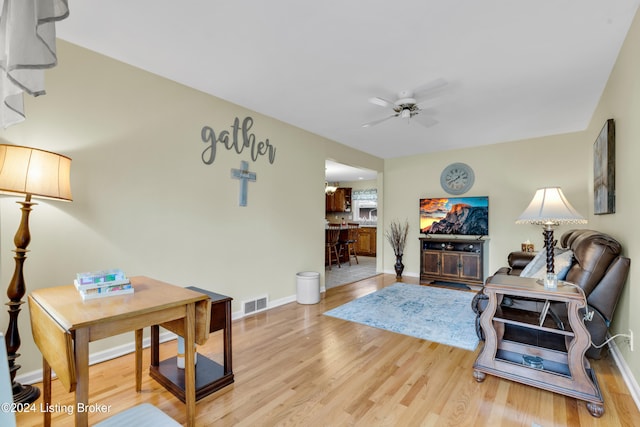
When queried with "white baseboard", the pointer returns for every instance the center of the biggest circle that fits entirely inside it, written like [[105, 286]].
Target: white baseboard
[[98, 357], [627, 375], [408, 274]]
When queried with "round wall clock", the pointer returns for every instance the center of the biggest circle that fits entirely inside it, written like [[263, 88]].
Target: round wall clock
[[457, 178]]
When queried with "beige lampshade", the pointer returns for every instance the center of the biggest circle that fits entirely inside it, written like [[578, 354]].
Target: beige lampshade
[[549, 206], [40, 173]]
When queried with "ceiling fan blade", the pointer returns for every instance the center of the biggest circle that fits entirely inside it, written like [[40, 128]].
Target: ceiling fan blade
[[375, 122], [427, 111], [429, 89], [424, 119], [382, 102]]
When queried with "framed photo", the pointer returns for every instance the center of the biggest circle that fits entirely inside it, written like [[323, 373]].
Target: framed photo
[[604, 170], [527, 247]]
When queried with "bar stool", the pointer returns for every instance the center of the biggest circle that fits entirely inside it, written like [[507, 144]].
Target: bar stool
[[349, 245], [332, 236]]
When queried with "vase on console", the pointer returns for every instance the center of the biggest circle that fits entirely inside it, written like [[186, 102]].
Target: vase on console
[[397, 237]]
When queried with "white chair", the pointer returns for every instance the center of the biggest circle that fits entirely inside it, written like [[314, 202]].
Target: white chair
[[7, 417], [143, 415]]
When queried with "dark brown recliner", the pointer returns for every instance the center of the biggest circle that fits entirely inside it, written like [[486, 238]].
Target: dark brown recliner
[[517, 262], [597, 268]]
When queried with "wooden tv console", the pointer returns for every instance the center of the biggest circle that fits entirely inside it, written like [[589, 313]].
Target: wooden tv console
[[456, 260]]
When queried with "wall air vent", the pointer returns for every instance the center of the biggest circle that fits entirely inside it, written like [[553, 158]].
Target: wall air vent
[[255, 305]]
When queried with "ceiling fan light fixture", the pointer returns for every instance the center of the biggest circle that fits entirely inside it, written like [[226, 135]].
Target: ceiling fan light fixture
[[407, 104]]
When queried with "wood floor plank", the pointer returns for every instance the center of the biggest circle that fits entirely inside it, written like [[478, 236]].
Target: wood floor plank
[[294, 366]]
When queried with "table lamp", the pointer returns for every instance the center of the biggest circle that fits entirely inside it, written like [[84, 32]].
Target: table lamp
[[30, 172], [550, 208]]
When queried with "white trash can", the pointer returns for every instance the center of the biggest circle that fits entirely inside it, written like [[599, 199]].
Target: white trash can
[[308, 287]]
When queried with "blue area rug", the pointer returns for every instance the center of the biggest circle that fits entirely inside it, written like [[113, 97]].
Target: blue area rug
[[434, 314]]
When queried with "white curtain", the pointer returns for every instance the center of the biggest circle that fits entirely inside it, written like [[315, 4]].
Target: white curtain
[[370, 194], [27, 48]]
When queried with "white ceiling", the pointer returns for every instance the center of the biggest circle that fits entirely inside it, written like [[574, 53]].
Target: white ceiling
[[337, 172], [515, 69]]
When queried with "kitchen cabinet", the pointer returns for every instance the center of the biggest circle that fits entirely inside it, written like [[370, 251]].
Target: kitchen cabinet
[[339, 201], [366, 241]]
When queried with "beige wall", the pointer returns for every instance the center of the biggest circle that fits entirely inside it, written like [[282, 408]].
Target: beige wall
[[621, 101], [145, 202], [362, 184], [508, 173]]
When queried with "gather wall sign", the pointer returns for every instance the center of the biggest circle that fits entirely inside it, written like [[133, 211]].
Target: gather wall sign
[[238, 138]]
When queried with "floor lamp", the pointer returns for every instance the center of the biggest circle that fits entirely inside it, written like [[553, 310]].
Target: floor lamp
[[29, 172], [550, 208]]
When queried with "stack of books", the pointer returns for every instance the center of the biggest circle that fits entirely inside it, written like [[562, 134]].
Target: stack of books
[[100, 284]]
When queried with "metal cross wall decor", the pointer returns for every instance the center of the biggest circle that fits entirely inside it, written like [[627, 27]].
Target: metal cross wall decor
[[244, 176]]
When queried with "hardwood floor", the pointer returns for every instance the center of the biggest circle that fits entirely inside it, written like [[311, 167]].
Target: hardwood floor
[[293, 366]]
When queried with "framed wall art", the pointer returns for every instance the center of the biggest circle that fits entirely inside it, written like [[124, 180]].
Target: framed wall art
[[604, 170]]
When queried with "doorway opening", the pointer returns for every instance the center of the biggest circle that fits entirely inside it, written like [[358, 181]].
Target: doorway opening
[[351, 200]]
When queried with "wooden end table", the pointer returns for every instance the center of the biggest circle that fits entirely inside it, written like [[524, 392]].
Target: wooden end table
[[540, 354], [210, 376]]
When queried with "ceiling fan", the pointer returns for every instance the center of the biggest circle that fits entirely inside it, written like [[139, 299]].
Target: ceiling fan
[[407, 104]]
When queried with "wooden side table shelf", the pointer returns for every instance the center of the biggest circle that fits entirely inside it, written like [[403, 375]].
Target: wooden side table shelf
[[539, 353], [210, 376]]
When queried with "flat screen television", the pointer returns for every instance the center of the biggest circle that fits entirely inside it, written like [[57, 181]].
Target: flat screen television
[[464, 216]]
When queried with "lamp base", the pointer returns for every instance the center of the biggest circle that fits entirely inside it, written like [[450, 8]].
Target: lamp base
[[549, 243], [24, 393]]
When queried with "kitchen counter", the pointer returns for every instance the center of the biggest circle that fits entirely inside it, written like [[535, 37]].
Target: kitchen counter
[[345, 227], [366, 244]]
